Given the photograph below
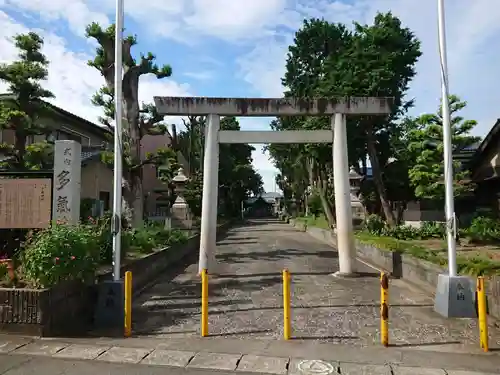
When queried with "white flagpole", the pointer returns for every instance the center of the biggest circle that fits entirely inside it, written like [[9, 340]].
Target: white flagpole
[[447, 145], [117, 176]]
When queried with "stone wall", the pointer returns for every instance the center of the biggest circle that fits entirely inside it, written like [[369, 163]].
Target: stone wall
[[416, 271]]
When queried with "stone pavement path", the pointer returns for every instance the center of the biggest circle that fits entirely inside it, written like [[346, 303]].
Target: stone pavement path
[[246, 298]]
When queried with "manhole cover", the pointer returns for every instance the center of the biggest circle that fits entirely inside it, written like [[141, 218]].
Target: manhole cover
[[315, 367]]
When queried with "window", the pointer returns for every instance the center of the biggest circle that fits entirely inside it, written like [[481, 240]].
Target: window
[[105, 196]]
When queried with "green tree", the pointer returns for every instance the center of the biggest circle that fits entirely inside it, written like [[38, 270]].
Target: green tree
[[380, 61], [138, 119], [305, 71], [237, 177], [22, 107], [426, 149]]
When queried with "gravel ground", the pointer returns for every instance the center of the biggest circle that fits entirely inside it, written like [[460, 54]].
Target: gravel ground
[[246, 297]]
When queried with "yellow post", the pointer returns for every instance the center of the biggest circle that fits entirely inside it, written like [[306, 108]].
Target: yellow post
[[286, 305], [204, 303], [128, 304], [482, 314], [384, 309]]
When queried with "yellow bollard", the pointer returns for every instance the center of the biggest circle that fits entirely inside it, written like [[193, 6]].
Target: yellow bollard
[[482, 314], [286, 305], [384, 309], [128, 304], [204, 303]]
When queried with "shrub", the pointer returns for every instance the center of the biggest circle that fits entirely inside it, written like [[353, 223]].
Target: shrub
[[314, 203], [60, 253], [483, 230], [374, 224], [102, 230], [149, 238], [403, 232], [432, 229]]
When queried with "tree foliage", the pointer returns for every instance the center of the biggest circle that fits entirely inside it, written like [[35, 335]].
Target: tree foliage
[[329, 60], [426, 149], [22, 107], [237, 177], [139, 119]]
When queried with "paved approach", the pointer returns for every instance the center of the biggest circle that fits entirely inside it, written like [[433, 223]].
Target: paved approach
[[246, 298]]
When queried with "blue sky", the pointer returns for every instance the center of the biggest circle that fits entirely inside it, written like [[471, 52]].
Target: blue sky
[[238, 48]]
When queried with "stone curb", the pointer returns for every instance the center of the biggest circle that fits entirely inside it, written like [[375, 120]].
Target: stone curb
[[275, 358]]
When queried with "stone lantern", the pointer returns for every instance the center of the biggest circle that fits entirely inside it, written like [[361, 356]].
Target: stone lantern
[[181, 214], [355, 180]]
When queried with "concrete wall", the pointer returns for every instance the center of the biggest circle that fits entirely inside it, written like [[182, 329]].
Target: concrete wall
[[96, 178]]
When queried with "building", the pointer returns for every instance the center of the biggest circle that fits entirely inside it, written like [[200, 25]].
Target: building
[[97, 178], [485, 171]]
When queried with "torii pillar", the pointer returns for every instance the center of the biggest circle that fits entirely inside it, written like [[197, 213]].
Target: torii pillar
[[337, 109]]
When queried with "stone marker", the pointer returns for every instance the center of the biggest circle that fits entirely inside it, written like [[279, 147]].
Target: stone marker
[[78, 351], [263, 364], [360, 369], [176, 358], [67, 182], [110, 309], [124, 355], [41, 348], [401, 370], [215, 361]]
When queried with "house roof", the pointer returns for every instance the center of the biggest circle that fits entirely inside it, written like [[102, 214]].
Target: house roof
[[485, 146], [88, 154], [87, 125]]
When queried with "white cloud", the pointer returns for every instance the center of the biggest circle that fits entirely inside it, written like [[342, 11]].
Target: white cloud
[[71, 80], [75, 12], [200, 76]]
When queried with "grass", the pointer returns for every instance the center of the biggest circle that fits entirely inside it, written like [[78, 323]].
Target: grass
[[477, 262], [318, 222], [471, 258]]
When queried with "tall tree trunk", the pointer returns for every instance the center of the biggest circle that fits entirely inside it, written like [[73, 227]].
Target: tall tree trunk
[[137, 202], [322, 185], [327, 207], [20, 148], [377, 178]]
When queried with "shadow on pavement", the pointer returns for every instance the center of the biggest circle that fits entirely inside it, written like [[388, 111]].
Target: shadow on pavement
[[425, 344], [244, 332], [274, 255], [325, 338]]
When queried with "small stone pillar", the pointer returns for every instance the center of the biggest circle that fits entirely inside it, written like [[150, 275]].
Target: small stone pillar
[[67, 182], [181, 214], [358, 212]]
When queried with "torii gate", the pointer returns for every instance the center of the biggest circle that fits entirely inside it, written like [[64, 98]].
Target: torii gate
[[214, 108]]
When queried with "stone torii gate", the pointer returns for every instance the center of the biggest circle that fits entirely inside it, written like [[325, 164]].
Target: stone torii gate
[[214, 108]]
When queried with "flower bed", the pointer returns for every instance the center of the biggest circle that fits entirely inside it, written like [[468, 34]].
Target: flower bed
[[55, 288]]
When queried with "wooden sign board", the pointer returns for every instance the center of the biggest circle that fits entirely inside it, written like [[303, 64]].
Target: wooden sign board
[[25, 203]]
